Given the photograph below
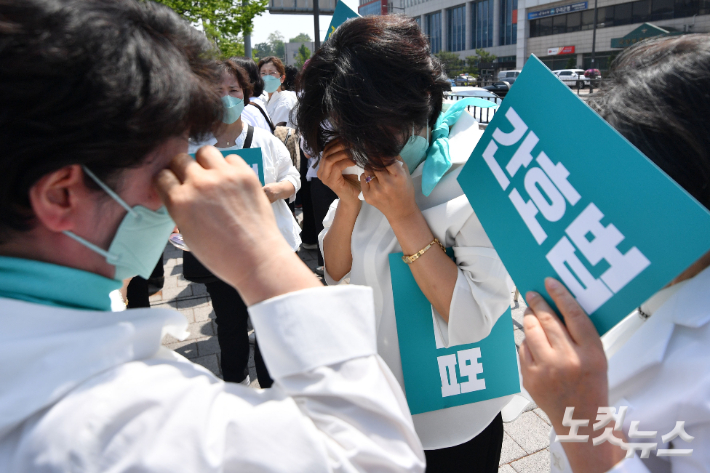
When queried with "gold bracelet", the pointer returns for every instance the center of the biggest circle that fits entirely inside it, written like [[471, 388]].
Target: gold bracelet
[[415, 256]]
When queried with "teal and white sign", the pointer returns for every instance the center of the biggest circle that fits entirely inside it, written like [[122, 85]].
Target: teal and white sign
[[253, 158], [561, 193], [437, 378], [341, 15]]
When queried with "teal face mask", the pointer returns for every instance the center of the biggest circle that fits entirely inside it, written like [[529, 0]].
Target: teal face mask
[[271, 83], [139, 240], [414, 150], [233, 108]]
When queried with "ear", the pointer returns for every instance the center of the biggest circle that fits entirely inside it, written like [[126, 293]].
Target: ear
[[55, 198]]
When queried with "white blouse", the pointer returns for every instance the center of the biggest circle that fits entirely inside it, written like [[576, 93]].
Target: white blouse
[[481, 294], [280, 105], [277, 168], [253, 116]]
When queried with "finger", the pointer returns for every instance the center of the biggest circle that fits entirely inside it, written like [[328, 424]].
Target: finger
[[238, 162], [209, 157], [166, 184], [403, 164], [535, 337], [336, 143], [526, 357], [180, 165], [552, 325], [336, 155], [579, 325]]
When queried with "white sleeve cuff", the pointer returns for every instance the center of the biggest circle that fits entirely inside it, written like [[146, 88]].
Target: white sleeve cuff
[[630, 465], [315, 327]]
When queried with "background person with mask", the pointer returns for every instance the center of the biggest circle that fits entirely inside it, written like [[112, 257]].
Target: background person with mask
[[254, 112], [281, 101], [375, 82], [282, 182], [91, 152]]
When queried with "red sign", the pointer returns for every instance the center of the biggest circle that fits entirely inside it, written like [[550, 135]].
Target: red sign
[[559, 51]]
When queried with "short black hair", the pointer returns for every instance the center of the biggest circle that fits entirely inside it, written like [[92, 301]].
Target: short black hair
[[290, 81], [98, 83], [253, 72], [659, 99], [373, 80]]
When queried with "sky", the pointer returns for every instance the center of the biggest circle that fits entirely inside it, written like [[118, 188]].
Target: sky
[[290, 25]]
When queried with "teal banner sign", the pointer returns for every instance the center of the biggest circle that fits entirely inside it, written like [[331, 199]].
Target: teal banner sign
[[341, 15], [561, 193], [253, 158], [437, 378]]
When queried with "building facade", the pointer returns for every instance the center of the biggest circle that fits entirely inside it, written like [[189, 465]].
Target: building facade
[[557, 32], [372, 7], [291, 51]]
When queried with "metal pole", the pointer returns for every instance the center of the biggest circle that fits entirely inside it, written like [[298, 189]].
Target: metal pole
[[316, 24], [594, 45], [247, 38]]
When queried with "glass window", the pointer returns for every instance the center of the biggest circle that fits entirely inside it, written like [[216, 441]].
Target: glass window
[[588, 20], [622, 14], [605, 17], [508, 22], [533, 28], [433, 30], [559, 24], [574, 21], [704, 7], [641, 11], [685, 8], [661, 10], [457, 28], [545, 26], [482, 22]]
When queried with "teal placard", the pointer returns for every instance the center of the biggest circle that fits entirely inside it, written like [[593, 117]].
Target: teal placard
[[561, 193], [253, 158], [341, 14], [445, 377]]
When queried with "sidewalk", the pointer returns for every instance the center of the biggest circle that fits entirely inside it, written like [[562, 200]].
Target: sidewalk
[[525, 442]]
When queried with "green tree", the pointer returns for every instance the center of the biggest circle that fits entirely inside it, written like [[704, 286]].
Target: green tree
[[571, 63], [276, 40], [223, 21], [301, 38], [485, 56], [262, 50], [303, 54], [453, 65]]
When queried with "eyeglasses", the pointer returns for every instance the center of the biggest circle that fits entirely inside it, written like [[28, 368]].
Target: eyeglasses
[[272, 74]]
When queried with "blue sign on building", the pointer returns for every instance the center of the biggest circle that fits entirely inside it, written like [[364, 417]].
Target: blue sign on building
[[557, 10]]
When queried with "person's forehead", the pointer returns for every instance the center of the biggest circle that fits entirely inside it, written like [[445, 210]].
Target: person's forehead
[[229, 80], [269, 67]]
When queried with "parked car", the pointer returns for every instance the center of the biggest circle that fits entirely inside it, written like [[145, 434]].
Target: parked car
[[465, 79], [498, 88], [508, 76], [572, 77], [452, 82]]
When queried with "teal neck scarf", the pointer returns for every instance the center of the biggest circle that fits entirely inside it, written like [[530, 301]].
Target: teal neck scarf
[[438, 160], [54, 285]]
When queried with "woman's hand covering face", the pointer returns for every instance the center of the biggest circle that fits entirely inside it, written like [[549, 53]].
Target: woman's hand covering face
[[391, 191], [336, 158]]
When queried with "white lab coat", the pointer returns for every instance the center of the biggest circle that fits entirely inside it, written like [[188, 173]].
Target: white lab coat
[[280, 105], [94, 391], [278, 167], [662, 373], [481, 294]]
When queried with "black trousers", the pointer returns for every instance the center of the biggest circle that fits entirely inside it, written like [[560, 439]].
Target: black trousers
[[308, 232], [322, 197], [481, 454], [232, 335], [137, 290]]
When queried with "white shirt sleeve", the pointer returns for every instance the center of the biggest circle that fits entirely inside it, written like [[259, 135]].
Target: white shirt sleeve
[[481, 294], [327, 222], [334, 405]]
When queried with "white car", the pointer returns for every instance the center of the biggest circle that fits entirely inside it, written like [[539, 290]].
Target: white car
[[572, 77], [508, 76]]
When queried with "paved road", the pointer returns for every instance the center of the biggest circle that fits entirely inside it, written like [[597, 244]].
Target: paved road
[[525, 442]]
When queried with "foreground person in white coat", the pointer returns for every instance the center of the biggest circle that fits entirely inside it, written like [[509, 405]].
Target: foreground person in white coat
[[96, 145], [657, 362]]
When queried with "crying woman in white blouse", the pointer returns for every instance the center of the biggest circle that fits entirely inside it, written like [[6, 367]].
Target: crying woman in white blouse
[[377, 84]]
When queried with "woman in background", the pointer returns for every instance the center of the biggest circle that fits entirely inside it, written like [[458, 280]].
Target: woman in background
[[281, 101], [254, 112]]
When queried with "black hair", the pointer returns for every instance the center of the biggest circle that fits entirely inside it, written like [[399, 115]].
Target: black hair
[[253, 72], [373, 80], [660, 101], [97, 83], [275, 61], [290, 81], [232, 68]]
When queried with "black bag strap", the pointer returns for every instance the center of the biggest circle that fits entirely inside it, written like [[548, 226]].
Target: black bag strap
[[266, 117], [250, 136]]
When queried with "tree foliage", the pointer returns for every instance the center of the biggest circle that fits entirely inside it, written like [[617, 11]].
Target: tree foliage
[[303, 54], [276, 41], [223, 21], [453, 65], [301, 38]]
